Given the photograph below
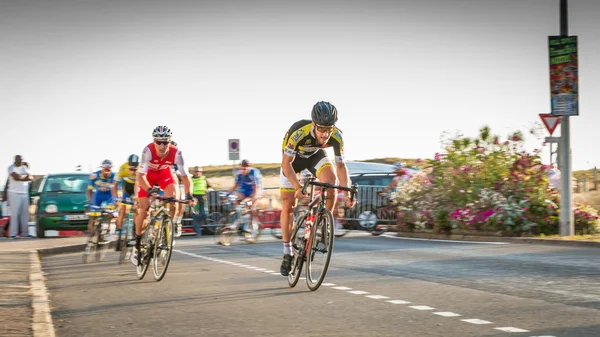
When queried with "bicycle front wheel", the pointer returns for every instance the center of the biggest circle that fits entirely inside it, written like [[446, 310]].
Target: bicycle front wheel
[[90, 248], [320, 249], [145, 247], [163, 248], [123, 241], [253, 230]]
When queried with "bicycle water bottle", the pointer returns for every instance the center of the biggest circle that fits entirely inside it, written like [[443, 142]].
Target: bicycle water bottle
[[309, 222]]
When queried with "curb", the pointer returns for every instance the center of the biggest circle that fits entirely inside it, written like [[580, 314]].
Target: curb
[[42, 325], [78, 248], [530, 240]]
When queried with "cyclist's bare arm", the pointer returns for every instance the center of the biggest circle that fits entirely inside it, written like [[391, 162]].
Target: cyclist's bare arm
[[342, 173], [288, 171], [142, 181], [115, 189], [389, 186]]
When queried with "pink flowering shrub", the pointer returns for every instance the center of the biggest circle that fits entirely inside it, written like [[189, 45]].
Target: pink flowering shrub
[[485, 183]]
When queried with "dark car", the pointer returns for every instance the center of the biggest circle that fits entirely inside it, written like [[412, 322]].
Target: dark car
[[61, 202], [364, 215]]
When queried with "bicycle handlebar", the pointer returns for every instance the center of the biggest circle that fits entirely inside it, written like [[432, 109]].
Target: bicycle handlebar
[[172, 199], [311, 181]]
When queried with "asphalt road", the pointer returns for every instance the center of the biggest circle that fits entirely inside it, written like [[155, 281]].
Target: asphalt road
[[376, 286]]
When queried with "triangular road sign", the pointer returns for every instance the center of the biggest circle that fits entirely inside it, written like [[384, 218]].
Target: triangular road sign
[[551, 122]]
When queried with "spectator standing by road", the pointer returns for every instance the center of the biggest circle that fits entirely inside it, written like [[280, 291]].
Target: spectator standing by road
[[199, 187], [18, 198]]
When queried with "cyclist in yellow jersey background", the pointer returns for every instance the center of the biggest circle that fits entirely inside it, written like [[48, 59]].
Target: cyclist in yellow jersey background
[[302, 148], [127, 178]]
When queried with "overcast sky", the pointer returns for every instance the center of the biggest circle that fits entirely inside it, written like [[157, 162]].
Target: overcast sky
[[81, 81]]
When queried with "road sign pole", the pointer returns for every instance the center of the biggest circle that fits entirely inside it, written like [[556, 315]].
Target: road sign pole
[[567, 226]]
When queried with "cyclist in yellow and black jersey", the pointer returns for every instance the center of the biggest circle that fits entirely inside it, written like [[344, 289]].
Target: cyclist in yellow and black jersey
[[127, 179], [302, 148], [300, 142]]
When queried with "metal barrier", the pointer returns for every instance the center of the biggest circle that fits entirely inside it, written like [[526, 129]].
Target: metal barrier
[[364, 216]]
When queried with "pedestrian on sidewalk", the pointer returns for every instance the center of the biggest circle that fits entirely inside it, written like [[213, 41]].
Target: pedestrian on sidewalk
[[18, 198]]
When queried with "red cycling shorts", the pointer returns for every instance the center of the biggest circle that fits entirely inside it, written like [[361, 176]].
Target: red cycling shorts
[[162, 178]]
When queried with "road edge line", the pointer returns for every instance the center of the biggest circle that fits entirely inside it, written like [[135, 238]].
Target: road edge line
[[41, 323]]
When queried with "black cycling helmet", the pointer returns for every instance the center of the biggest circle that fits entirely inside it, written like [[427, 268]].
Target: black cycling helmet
[[245, 163], [324, 113], [133, 160], [106, 163]]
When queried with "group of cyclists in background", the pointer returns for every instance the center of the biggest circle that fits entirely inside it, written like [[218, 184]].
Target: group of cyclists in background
[[161, 171]]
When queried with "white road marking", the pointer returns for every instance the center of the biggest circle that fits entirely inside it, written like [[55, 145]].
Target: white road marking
[[41, 325], [342, 288], [377, 297], [475, 321], [361, 292], [358, 292], [511, 329], [421, 307], [446, 314]]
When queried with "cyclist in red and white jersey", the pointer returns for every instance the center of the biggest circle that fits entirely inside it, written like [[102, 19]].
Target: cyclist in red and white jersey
[[155, 168]]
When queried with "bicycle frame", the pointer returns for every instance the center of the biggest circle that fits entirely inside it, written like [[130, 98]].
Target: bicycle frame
[[318, 203]]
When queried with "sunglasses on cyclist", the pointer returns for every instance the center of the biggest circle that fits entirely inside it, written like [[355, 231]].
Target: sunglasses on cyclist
[[324, 129], [162, 142]]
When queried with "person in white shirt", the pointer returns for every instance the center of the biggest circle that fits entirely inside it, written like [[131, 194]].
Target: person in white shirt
[[18, 198]]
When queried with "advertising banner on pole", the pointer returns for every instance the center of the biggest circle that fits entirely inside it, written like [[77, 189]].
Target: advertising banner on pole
[[564, 79]]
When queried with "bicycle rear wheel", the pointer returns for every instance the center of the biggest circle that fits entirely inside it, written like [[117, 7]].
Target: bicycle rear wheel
[[320, 250], [298, 244], [226, 231], [211, 222], [382, 224], [163, 248]]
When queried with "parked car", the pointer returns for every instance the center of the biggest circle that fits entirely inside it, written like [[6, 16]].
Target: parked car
[[364, 215], [61, 202]]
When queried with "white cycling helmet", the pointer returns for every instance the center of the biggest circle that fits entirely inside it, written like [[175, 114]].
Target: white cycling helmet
[[162, 131]]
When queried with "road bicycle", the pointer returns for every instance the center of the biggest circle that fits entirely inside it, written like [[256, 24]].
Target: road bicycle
[[386, 214], [98, 237], [312, 236], [126, 239], [238, 221], [157, 241]]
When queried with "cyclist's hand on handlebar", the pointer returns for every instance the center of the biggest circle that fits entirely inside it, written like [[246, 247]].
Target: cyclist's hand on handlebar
[[298, 194], [349, 202], [153, 192], [191, 199]]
